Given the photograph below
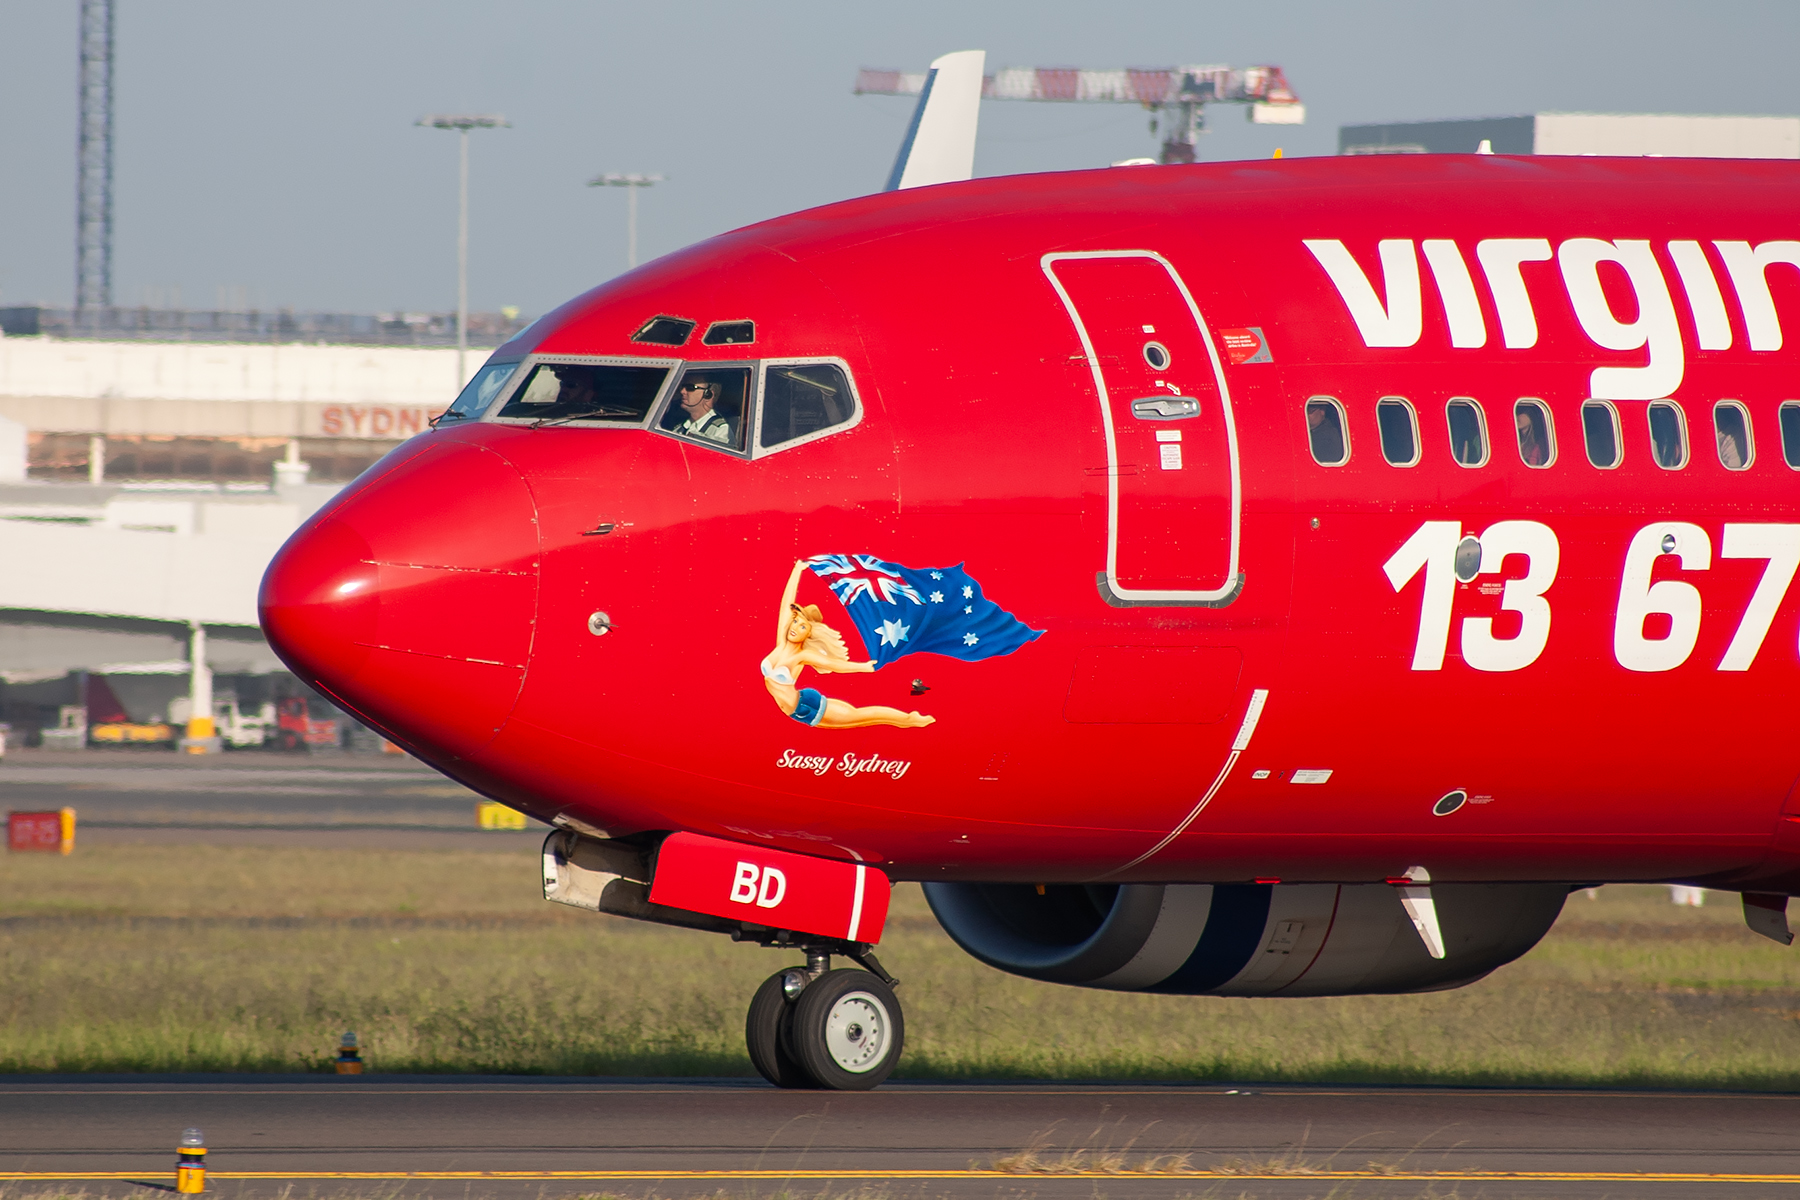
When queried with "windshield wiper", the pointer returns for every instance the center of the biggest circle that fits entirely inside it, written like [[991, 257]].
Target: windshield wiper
[[592, 414]]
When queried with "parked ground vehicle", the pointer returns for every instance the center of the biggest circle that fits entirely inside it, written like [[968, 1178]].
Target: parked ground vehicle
[[238, 730], [297, 729], [132, 733]]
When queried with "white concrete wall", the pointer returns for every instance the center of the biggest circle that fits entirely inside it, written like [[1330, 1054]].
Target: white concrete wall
[[1674, 136], [219, 418], [404, 375], [14, 449], [203, 390], [162, 557]]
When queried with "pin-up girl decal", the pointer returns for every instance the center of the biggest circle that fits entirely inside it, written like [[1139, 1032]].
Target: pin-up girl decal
[[802, 640]]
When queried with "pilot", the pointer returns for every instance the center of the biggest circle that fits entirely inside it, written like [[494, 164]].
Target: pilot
[[575, 392], [698, 395], [1531, 449], [1326, 432]]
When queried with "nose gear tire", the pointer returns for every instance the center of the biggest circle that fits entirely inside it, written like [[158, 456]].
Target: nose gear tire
[[764, 1034], [846, 1030]]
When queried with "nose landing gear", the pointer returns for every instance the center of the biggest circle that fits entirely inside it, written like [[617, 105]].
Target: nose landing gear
[[813, 1027]]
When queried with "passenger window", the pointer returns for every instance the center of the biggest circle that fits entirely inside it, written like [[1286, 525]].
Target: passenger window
[[1790, 433], [1600, 429], [1468, 432], [616, 395], [480, 391], [1731, 426], [1399, 426], [1668, 436], [709, 406], [803, 398], [1537, 433], [1325, 432]]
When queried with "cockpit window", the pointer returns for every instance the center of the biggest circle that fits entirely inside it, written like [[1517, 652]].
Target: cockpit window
[[480, 392], [730, 333], [664, 331], [710, 405], [587, 392], [804, 398]]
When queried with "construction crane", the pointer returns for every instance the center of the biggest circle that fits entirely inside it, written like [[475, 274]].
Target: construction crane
[[1177, 96]]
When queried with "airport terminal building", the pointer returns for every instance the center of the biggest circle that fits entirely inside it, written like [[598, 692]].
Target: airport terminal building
[[147, 483], [1623, 134]]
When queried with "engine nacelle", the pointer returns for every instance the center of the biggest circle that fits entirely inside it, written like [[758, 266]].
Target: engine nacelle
[[1243, 939]]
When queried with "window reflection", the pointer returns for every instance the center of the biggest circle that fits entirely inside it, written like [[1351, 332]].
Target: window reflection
[[1325, 432], [1668, 436], [480, 391], [1468, 432], [1731, 429], [1399, 426], [584, 392], [664, 331], [802, 399], [1537, 445], [730, 333], [1600, 430], [709, 405]]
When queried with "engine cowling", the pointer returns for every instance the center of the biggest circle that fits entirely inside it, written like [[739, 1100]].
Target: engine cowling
[[1243, 939]]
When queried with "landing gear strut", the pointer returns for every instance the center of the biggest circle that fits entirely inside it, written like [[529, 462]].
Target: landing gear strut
[[813, 1027]]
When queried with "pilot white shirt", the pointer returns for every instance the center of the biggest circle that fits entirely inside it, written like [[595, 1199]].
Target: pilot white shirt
[[710, 427]]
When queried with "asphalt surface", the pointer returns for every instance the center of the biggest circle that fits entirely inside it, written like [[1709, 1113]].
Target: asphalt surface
[[382, 1136], [250, 798], [468, 1137]]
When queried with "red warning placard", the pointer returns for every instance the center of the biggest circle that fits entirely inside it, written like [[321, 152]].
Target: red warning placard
[[41, 831], [771, 887], [1246, 345]]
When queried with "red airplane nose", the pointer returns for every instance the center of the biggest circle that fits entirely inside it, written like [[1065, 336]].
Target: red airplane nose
[[413, 602]]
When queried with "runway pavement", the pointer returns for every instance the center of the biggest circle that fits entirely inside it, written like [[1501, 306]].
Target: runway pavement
[[379, 1136], [472, 1137], [250, 797]]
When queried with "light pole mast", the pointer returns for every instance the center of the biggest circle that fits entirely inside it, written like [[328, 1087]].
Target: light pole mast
[[94, 170], [462, 123], [632, 182]]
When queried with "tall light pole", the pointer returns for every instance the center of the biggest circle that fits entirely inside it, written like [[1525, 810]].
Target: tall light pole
[[94, 172], [462, 123], [632, 182]]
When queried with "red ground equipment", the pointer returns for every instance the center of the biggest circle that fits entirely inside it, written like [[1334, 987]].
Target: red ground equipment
[[52, 831], [297, 729]]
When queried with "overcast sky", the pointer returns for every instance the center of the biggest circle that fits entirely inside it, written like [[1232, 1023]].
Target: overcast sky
[[270, 148]]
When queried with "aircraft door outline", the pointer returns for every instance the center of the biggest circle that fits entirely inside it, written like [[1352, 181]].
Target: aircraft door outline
[[1227, 589]]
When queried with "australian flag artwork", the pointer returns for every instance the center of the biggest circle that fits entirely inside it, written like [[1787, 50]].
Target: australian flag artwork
[[907, 610]]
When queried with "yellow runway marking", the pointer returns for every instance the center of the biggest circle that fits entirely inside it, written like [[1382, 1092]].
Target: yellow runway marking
[[1406, 1177]]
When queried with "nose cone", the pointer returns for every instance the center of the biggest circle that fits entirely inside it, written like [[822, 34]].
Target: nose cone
[[414, 601]]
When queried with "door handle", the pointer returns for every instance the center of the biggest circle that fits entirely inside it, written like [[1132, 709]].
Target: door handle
[[1165, 408]]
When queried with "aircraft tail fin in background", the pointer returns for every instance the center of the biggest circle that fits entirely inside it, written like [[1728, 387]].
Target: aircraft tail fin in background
[[939, 146]]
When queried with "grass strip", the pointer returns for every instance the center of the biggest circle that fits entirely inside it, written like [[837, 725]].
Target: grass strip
[[148, 959]]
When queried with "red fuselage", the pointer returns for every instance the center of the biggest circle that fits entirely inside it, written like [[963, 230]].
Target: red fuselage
[[1253, 666]]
